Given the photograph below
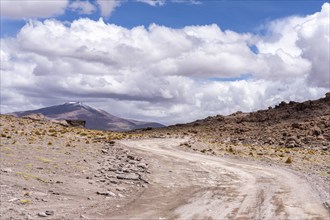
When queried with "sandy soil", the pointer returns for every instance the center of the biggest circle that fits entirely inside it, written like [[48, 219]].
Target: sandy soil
[[48, 171], [53, 172], [189, 185]]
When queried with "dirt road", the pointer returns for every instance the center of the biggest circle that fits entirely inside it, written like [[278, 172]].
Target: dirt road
[[189, 185]]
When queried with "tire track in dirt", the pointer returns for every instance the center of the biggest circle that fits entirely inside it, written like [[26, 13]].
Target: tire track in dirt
[[188, 185]]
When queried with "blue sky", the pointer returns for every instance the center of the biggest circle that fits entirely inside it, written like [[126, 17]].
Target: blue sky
[[169, 61], [239, 16]]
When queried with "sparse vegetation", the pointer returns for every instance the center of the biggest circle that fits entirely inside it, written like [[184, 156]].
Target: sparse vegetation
[[44, 160], [289, 160], [25, 201]]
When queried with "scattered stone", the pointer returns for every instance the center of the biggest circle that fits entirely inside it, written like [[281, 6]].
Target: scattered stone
[[138, 158], [290, 145], [316, 131], [39, 194], [104, 151], [121, 195], [142, 165], [131, 157], [107, 193], [120, 189], [129, 176], [144, 179], [112, 169], [27, 216], [126, 170], [114, 181], [325, 148], [42, 214], [54, 193], [6, 170], [111, 143], [295, 125], [47, 212]]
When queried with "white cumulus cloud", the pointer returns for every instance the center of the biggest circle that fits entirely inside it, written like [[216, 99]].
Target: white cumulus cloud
[[107, 7], [21, 9], [153, 2], [165, 74], [82, 7]]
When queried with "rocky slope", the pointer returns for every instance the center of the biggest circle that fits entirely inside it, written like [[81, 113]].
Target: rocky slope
[[55, 172], [296, 135], [95, 118], [289, 125]]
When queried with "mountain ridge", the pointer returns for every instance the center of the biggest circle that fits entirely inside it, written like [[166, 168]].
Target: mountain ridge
[[97, 119]]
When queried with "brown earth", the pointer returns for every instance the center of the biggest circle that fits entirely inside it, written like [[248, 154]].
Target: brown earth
[[295, 135], [289, 125], [212, 170], [64, 173]]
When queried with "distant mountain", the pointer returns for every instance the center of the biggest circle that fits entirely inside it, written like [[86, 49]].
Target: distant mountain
[[95, 118]]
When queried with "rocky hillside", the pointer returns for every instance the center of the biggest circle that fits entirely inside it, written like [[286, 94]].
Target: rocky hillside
[[54, 172], [290, 125], [95, 118]]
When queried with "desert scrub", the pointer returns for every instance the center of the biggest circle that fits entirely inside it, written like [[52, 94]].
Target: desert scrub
[[44, 160], [53, 134], [49, 143], [37, 133], [230, 149], [28, 166], [289, 160], [51, 130], [63, 131], [25, 201], [28, 176]]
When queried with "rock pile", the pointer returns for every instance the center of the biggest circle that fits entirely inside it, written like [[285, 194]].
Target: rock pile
[[119, 170]]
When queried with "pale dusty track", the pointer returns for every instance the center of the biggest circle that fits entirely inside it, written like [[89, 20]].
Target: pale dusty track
[[189, 185]]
